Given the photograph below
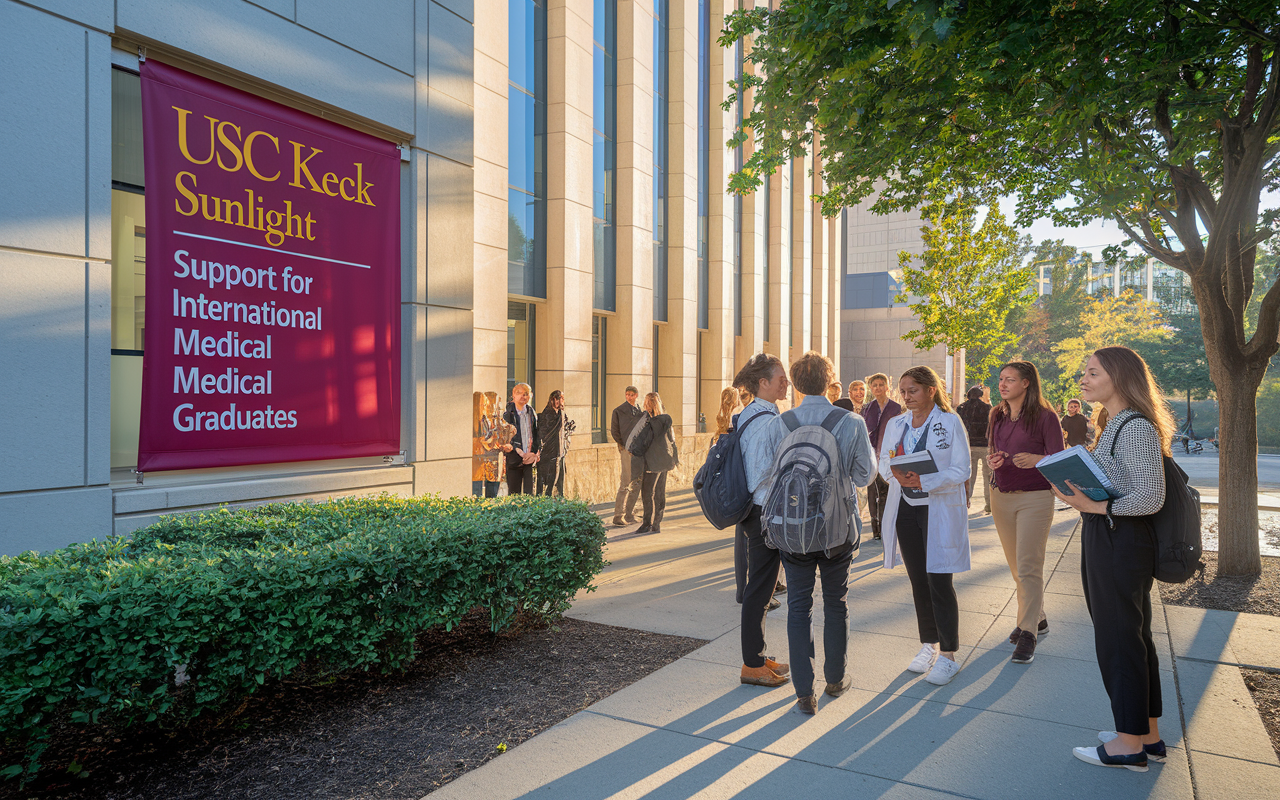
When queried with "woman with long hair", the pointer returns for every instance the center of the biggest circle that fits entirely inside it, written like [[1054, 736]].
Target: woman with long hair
[[1119, 548], [730, 403], [1023, 430], [656, 445], [552, 433], [926, 516]]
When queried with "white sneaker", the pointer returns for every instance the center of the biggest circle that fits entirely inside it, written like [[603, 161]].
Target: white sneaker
[[924, 659], [944, 669]]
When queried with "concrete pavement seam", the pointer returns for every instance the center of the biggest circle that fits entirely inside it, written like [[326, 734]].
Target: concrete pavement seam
[[1182, 710], [1257, 667]]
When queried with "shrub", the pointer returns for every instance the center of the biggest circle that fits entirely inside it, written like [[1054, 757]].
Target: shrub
[[196, 612]]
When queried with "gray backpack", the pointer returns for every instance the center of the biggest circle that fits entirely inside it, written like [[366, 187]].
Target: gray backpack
[[811, 502]]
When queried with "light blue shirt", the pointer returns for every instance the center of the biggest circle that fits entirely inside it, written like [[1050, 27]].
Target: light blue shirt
[[756, 459], [851, 435]]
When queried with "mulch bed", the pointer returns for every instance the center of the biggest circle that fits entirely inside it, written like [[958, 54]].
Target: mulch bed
[[469, 696], [1257, 595], [1265, 688]]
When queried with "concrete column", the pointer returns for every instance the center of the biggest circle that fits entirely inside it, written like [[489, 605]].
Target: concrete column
[[780, 258], [718, 367], [821, 268], [678, 339], [489, 370], [630, 344], [563, 349], [801, 259]]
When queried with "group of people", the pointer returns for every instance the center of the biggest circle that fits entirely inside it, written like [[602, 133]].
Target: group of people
[[647, 447], [528, 447], [923, 518]]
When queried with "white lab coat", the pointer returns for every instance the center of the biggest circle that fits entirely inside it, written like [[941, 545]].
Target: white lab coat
[[948, 506]]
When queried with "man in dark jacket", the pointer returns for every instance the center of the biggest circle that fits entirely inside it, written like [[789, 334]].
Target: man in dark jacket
[[525, 444], [976, 414], [553, 436], [624, 419], [877, 414]]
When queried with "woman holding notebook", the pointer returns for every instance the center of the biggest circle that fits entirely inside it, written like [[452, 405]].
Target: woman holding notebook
[[1023, 429], [926, 514], [1118, 544]]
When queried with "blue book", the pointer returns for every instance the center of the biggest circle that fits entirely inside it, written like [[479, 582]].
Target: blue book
[[1076, 464]]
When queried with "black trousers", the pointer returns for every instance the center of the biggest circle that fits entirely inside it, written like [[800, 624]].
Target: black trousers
[[520, 477], [653, 494], [1115, 569], [937, 608], [762, 576], [877, 492], [551, 477], [801, 570]]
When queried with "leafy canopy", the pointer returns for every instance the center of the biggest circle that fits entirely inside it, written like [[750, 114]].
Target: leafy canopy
[[968, 281]]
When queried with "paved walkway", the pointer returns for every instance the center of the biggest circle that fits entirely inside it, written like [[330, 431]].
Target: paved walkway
[[999, 730]]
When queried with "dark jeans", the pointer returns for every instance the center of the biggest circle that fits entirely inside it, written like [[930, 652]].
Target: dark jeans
[[877, 492], [484, 488], [1115, 568], [762, 576], [653, 493], [937, 608], [801, 571], [739, 562], [520, 477], [551, 477]]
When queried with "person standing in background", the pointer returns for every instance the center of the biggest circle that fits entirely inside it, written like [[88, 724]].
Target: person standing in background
[[857, 396], [523, 454], [976, 414], [833, 391], [657, 444], [877, 415], [553, 435], [1075, 426], [1023, 430], [625, 417], [730, 404]]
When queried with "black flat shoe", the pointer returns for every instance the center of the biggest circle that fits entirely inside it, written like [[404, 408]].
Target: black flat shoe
[[1099, 757]]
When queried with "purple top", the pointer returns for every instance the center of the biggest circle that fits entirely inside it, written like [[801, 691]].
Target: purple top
[[876, 421], [1012, 437]]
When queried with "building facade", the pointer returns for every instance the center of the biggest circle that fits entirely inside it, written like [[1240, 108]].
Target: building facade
[[563, 223], [872, 320]]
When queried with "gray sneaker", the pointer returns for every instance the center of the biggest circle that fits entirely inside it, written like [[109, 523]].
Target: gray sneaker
[[1025, 652]]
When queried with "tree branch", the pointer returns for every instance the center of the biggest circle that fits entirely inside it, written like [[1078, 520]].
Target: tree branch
[[1263, 343], [1175, 260]]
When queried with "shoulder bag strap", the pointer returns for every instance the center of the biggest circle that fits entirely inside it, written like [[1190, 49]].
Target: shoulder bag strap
[[833, 419], [1122, 424]]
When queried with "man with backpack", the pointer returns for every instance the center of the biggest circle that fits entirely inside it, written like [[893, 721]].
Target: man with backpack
[[765, 377], [820, 456]]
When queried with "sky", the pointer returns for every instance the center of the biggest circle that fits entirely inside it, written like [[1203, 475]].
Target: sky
[[1098, 234]]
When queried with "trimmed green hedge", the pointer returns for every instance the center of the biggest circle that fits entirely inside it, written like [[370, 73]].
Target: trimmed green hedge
[[196, 612]]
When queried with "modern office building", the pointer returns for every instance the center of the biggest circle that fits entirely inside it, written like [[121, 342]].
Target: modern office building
[[872, 320], [560, 214]]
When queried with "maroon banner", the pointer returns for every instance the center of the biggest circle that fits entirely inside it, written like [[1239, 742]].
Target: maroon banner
[[272, 281]]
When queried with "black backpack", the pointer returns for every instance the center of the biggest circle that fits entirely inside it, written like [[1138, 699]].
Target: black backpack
[[1176, 524], [721, 482]]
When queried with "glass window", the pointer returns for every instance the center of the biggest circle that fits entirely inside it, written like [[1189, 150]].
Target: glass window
[[128, 266], [704, 163], [520, 345], [527, 148], [660, 133], [604, 120], [599, 426]]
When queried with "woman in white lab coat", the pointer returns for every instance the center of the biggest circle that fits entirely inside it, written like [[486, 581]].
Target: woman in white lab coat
[[926, 516]]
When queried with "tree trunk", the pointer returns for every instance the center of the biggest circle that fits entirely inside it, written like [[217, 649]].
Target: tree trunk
[[1238, 552]]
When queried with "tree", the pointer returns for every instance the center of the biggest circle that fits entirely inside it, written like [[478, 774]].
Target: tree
[[1056, 316], [969, 280], [1127, 320], [1159, 114]]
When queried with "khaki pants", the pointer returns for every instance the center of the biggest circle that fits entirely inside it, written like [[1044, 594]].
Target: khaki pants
[[1022, 521], [976, 454]]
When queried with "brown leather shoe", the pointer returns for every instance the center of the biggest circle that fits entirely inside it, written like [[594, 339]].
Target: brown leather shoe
[[837, 689], [781, 669], [807, 705], [762, 676]]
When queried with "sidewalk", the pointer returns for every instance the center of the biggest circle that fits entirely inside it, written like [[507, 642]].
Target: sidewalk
[[999, 730]]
